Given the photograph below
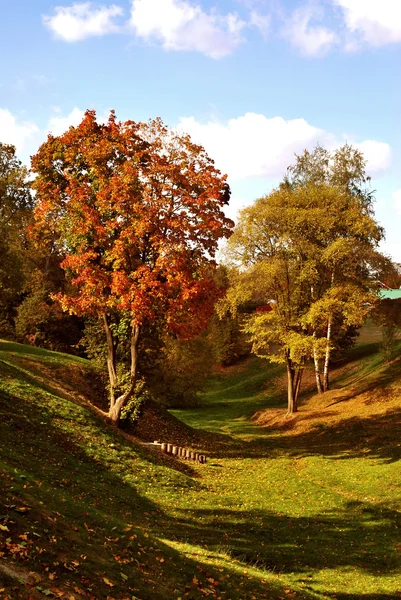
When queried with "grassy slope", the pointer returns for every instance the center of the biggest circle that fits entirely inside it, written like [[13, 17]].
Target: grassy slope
[[315, 498], [300, 508], [86, 512]]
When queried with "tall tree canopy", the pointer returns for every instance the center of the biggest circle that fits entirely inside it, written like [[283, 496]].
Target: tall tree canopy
[[309, 249], [350, 256], [137, 209], [15, 208]]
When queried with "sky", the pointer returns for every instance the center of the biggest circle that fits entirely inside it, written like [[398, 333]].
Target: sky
[[254, 81]]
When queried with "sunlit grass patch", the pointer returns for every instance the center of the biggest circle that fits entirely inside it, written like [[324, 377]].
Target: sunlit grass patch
[[310, 510]]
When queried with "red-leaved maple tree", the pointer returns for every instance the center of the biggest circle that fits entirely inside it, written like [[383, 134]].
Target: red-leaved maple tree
[[137, 210]]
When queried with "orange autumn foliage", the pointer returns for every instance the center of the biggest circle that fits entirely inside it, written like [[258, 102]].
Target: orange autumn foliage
[[138, 211]]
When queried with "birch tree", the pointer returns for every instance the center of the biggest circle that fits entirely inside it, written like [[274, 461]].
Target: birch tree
[[350, 263], [310, 251]]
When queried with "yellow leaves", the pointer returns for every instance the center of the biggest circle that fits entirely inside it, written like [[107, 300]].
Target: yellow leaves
[[4, 527], [123, 561], [79, 591], [108, 582], [22, 509]]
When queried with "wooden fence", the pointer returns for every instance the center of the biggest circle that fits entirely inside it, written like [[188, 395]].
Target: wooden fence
[[178, 451]]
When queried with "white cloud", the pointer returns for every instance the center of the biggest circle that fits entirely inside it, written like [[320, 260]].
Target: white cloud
[[252, 145], [375, 22], [58, 125], [249, 146], [256, 146], [310, 40], [377, 155], [181, 25], [397, 201], [261, 22], [82, 20], [14, 132]]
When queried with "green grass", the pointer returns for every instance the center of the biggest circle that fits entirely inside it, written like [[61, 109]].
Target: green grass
[[233, 398], [307, 512]]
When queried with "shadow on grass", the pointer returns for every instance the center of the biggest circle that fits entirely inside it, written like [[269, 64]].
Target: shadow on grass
[[80, 506], [370, 381], [360, 536], [226, 409], [375, 437], [365, 596], [61, 379]]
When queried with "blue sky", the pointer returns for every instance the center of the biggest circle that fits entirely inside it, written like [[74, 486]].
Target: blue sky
[[254, 81]]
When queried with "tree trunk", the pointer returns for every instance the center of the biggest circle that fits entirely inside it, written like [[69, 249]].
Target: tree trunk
[[328, 347], [298, 384], [111, 357], [317, 373], [327, 357], [121, 401], [292, 399]]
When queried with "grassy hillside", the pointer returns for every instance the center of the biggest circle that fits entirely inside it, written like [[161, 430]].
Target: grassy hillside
[[306, 507]]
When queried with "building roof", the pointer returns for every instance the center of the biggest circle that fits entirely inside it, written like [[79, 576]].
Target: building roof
[[390, 294]]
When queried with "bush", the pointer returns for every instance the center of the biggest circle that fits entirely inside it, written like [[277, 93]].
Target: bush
[[133, 409], [181, 371]]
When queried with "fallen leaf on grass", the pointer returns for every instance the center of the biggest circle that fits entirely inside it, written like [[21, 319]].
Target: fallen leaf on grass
[[108, 582], [22, 509], [79, 591], [4, 528]]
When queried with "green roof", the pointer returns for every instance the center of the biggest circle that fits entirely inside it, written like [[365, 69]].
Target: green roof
[[390, 294]]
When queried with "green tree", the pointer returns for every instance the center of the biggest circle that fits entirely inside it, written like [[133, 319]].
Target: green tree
[[310, 251], [181, 370], [350, 254], [15, 211]]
